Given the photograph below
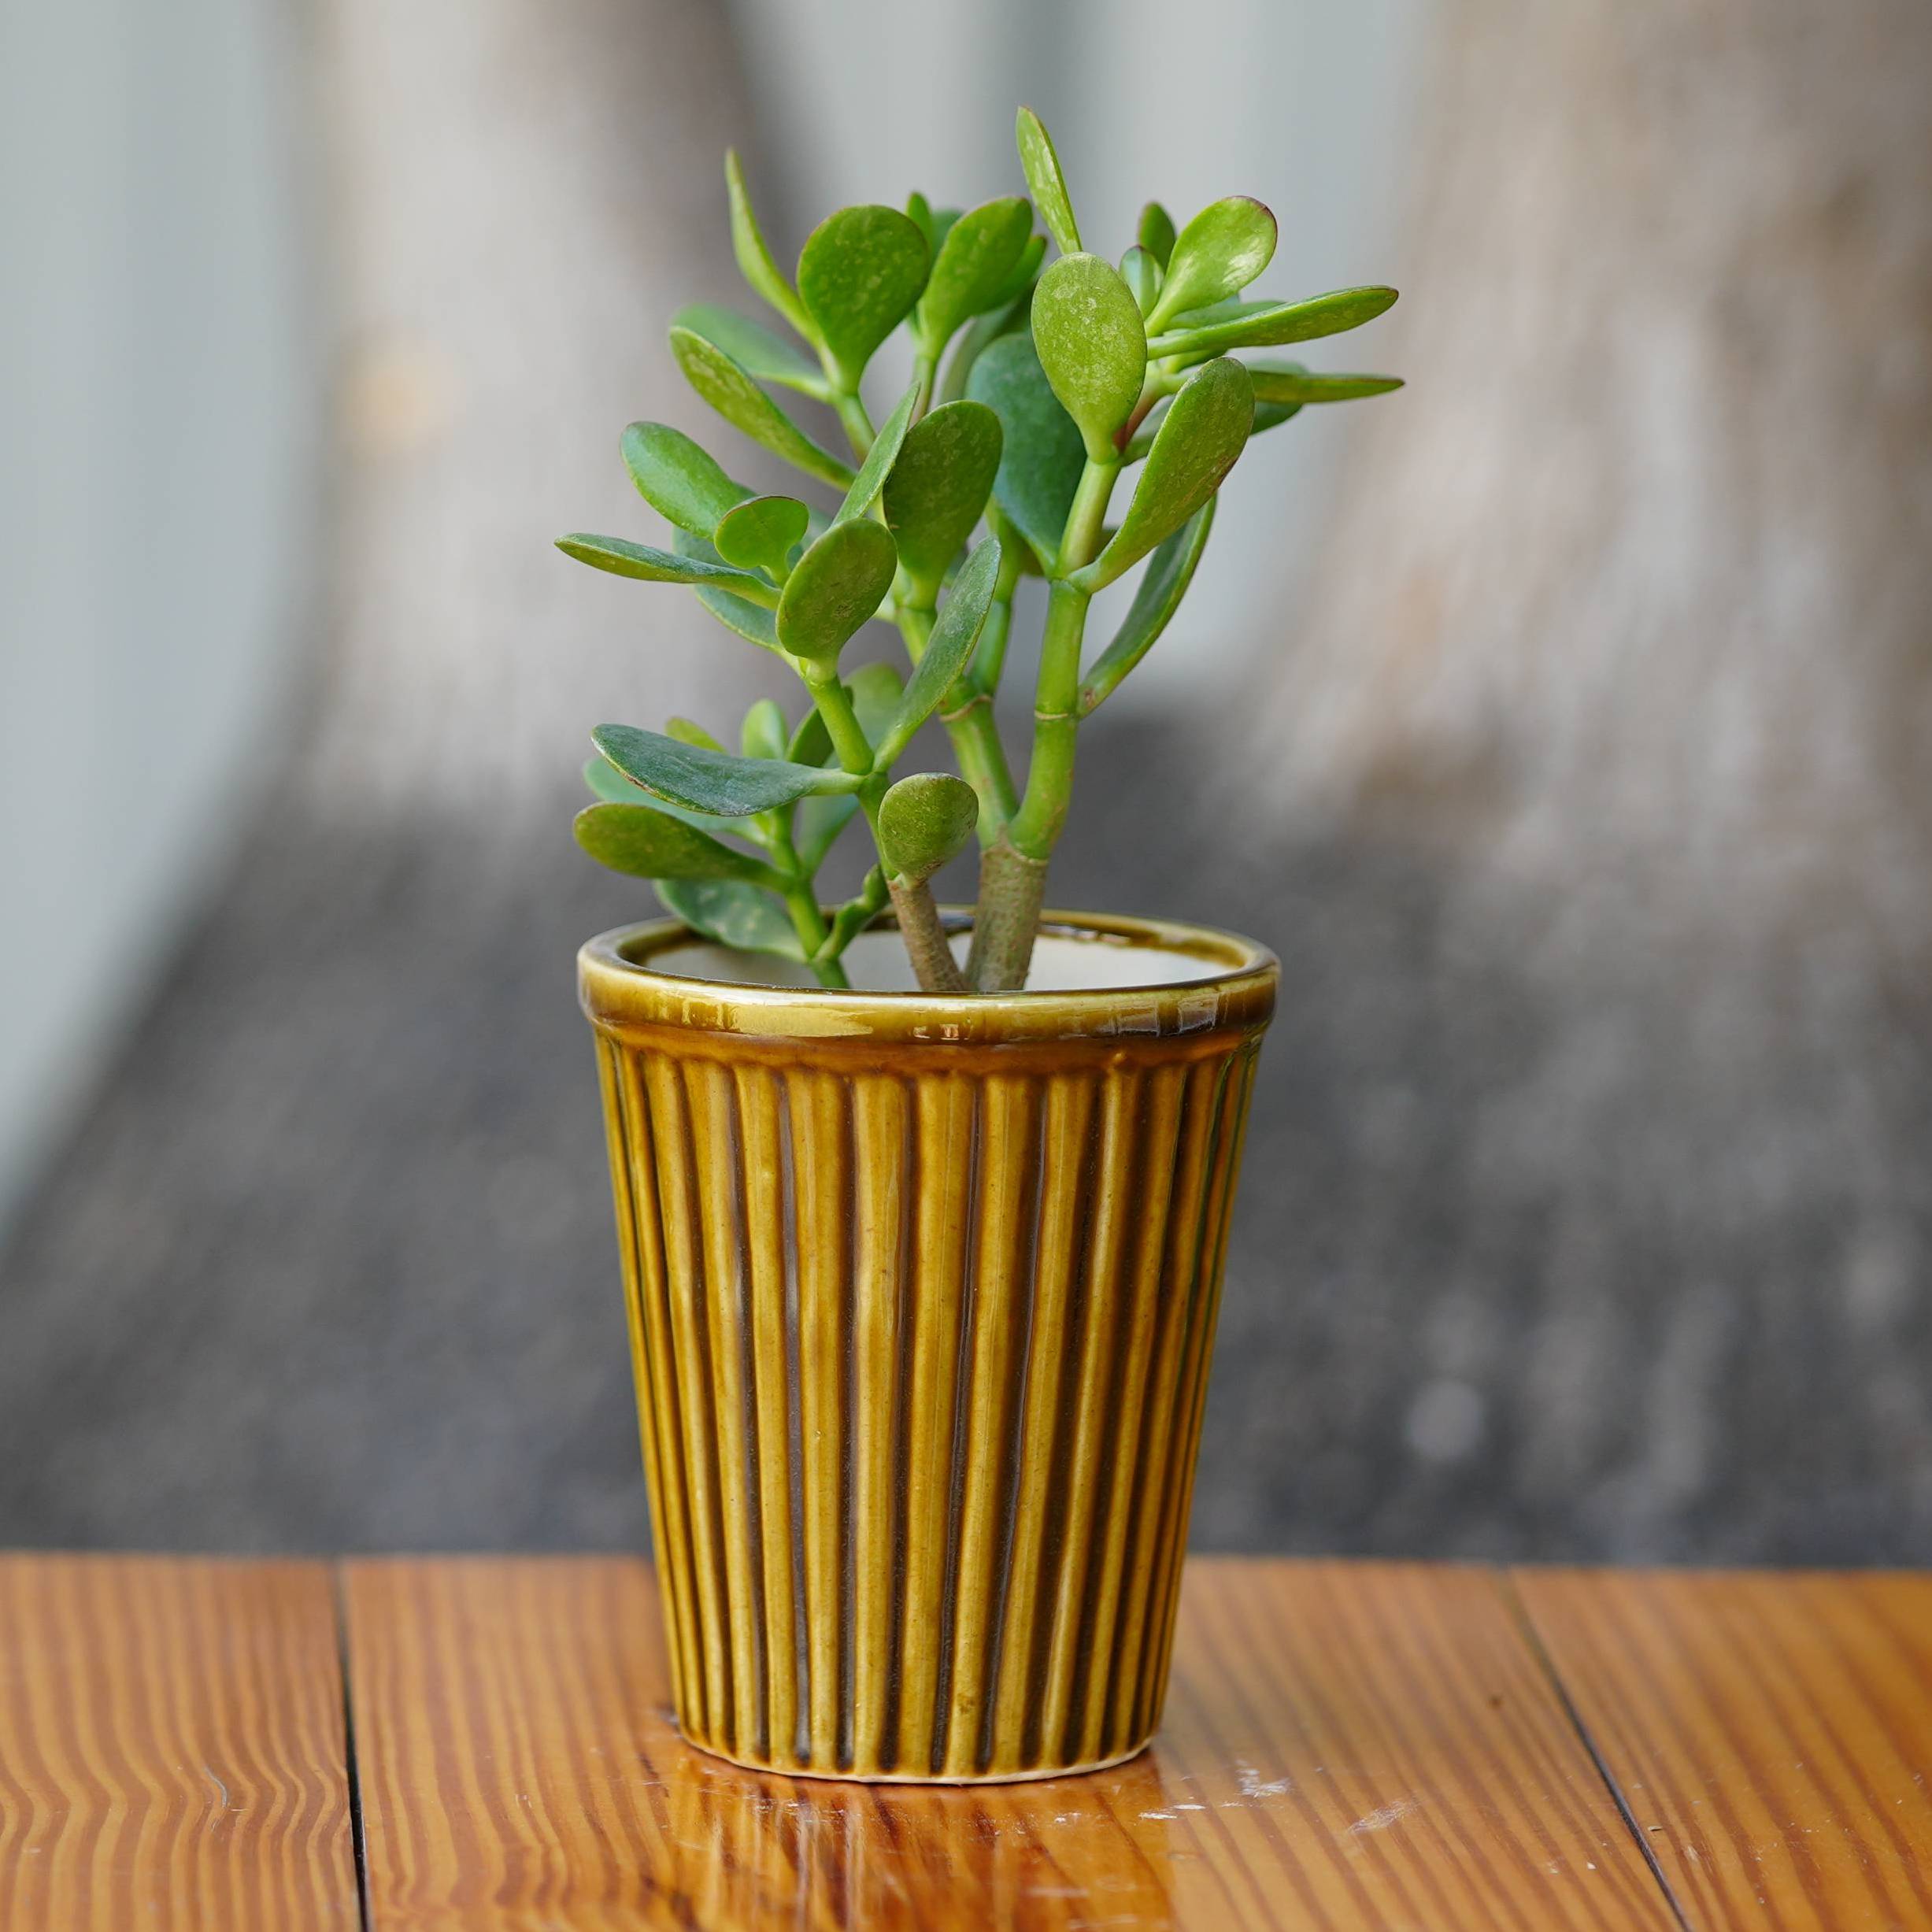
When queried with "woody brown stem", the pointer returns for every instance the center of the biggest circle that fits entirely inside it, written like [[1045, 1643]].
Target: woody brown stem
[[925, 937], [1012, 888]]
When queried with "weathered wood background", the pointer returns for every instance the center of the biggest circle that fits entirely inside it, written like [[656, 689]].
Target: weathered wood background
[[1588, 1210]]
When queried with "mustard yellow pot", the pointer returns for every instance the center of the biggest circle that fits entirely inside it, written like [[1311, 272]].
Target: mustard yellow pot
[[922, 1293]]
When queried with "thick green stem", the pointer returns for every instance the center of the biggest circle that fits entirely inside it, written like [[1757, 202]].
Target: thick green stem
[[858, 425], [1012, 876], [1035, 828], [1080, 539], [808, 922], [925, 368], [850, 745], [808, 918], [924, 935]]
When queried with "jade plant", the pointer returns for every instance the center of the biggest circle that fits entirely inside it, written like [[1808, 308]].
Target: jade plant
[[1036, 395]]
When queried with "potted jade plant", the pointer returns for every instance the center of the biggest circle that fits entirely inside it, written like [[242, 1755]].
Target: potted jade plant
[[923, 1211]]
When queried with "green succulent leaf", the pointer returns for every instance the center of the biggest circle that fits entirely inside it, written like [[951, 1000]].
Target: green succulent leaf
[[759, 533], [875, 690], [879, 459], [680, 480], [948, 650], [972, 268], [608, 783], [1288, 382], [729, 388], [703, 780], [1156, 598], [920, 210], [765, 734], [924, 821], [1266, 416], [859, 275], [689, 731], [769, 358], [1200, 437], [732, 913], [1156, 233], [1042, 452], [1141, 274], [622, 558], [937, 489], [754, 259], [756, 623], [1024, 272], [834, 587], [647, 843], [1048, 184], [1216, 255], [1087, 330], [1268, 324]]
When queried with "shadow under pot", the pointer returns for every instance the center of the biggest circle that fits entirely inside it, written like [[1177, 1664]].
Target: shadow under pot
[[922, 1293]]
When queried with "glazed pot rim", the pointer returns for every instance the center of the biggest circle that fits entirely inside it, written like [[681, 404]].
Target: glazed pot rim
[[621, 993]]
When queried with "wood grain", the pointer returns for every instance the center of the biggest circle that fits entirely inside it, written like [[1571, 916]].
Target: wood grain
[[1771, 1733], [1347, 1746], [171, 1748]]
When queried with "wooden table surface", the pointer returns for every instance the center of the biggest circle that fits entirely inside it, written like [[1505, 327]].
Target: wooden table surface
[[424, 1746]]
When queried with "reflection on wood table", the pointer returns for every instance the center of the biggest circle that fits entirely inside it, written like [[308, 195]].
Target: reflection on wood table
[[484, 1742]]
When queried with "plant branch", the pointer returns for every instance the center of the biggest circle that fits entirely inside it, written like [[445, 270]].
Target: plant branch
[[924, 933]]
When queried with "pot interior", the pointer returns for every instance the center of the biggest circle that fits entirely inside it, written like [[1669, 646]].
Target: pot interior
[[1064, 961]]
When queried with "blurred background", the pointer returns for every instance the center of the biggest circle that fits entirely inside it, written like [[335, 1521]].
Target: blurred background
[[1565, 721]]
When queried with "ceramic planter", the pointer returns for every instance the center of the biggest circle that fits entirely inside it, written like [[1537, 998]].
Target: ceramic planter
[[922, 1293]]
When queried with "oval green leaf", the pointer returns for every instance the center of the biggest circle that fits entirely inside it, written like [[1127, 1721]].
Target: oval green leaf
[[1216, 255], [938, 488], [948, 651], [1268, 324], [608, 783], [1042, 452], [759, 533], [754, 348], [836, 586], [973, 267], [1087, 330], [732, 913], [1204, 432], [754, 259], [765, 733], [924, 821], [689, 731], [680, 480], [1288, 382], [1156, 598], [728, 387], [1141, 274], [1048, 184], [647, 843], [703, 780], [755, 623], [622, 558], [859, 274], [1156, 233], [879, 459]]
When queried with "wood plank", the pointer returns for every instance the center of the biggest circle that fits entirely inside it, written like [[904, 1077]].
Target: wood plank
[[171, 1747], [1352, 1747], [1771, 1733]]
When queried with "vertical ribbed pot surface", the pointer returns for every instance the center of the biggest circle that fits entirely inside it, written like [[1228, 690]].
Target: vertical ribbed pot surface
[[923, 1291]]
